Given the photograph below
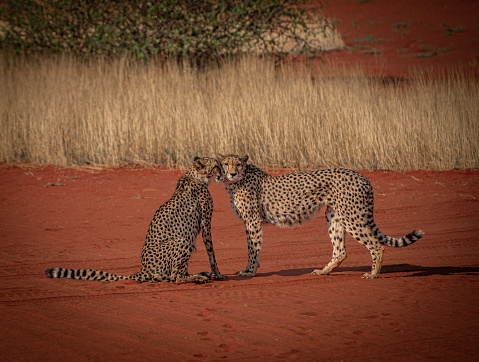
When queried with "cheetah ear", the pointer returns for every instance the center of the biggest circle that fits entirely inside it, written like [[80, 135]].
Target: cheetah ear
[[197, 163], [244, 158], [219, 157]]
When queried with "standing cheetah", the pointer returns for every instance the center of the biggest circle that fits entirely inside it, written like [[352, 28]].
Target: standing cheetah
[[172, 233], [290, 199]]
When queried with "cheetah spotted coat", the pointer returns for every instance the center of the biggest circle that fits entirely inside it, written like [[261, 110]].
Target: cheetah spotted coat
[[291, 199], [171, 234]]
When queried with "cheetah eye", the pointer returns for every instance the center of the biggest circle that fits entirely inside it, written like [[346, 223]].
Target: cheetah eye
[[225, 164]]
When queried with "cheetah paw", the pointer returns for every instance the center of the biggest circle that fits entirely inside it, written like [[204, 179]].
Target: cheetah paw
[[196, 278], [319, 272], [243, 273], [200, 279], [369, 276], [214, 276]]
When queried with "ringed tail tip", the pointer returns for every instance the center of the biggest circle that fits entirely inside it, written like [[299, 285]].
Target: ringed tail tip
[[418, 234], [49, 273]]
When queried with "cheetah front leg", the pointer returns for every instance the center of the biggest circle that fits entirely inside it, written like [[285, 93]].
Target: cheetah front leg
[[207, 239], [337, 235], [254, 236]]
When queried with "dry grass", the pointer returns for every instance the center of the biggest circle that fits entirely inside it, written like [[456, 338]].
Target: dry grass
[[65, 112]]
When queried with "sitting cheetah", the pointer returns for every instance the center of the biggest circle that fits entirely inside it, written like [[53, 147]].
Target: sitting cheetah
[[290, 199], [172, 232]]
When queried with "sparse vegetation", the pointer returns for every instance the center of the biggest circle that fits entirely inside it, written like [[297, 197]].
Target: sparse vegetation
[[401, 28], [200, 30], [362, 45], [451, 31], [421, 50], [59, 110]]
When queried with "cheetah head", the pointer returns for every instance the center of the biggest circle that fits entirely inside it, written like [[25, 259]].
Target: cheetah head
[[208, 169], [233, 167]]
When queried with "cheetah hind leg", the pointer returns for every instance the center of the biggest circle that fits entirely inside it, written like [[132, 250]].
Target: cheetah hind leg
[[180, 261], [337, 235], [377, 251]]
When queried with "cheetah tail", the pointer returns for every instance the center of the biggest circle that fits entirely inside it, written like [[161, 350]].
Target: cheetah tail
[[84, 274], [404, 241]]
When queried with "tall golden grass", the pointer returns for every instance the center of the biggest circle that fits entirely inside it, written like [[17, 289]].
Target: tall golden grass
[[62, 111]]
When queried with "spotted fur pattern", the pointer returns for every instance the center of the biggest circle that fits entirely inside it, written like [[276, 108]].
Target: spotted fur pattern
[[171, 234], [293, 198]]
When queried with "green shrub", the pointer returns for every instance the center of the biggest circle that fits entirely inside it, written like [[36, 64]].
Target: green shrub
[[141, 28]]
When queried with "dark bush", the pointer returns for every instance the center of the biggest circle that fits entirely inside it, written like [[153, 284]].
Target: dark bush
[[141, 28]]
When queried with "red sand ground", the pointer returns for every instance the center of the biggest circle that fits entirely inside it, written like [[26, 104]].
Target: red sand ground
[[424, 306], [409, 36]]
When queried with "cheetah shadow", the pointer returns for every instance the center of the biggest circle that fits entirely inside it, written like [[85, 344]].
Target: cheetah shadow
[[415, 270]]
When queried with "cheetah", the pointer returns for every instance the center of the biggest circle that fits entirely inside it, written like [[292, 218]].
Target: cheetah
[[172, 232], [291, 199]]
